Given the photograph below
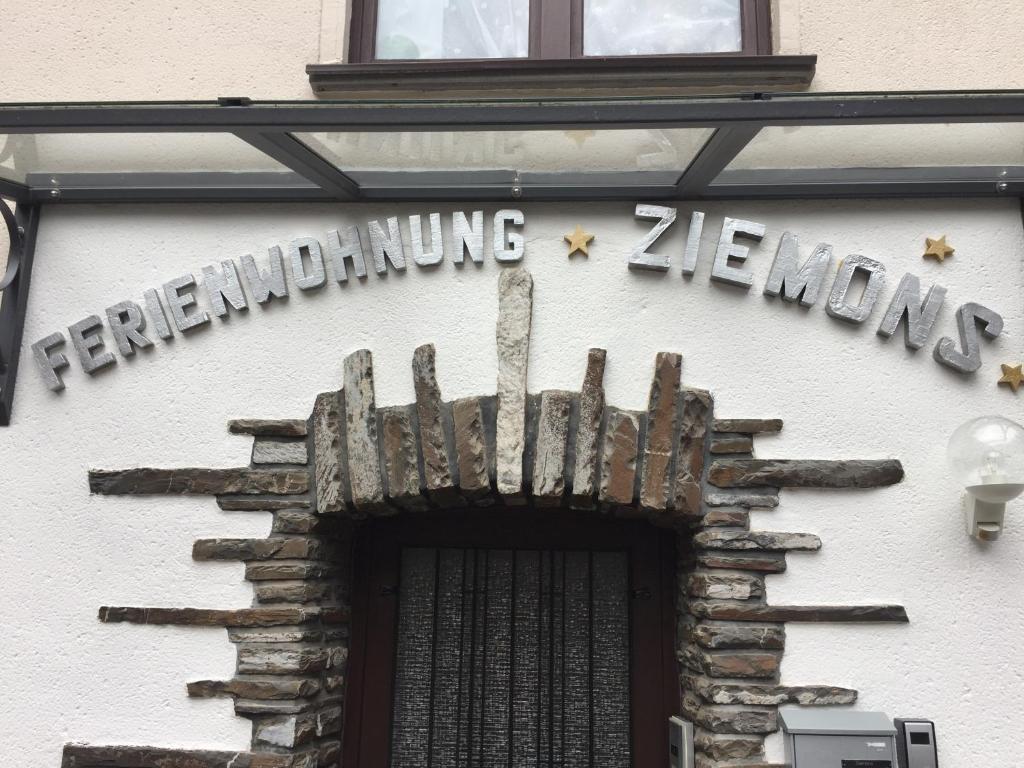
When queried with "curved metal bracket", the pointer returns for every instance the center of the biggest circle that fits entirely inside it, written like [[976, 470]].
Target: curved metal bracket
[[17, 247]]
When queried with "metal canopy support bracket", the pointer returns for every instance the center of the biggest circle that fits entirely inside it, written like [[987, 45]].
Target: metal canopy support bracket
[[13, 303], [295, 155], [713, 158]]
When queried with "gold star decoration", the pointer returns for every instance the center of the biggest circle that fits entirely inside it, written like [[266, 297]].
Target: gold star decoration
[[1013, 376], [580, 137], [938, 249], [579, 241]]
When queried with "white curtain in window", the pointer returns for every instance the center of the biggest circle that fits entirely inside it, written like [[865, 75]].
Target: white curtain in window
[[453, 29], [632, 27]]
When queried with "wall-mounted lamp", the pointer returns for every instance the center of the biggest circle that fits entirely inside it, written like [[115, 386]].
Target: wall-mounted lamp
[[987, 456]]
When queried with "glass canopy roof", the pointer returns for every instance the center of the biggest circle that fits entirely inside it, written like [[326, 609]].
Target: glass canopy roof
[[756, 146]]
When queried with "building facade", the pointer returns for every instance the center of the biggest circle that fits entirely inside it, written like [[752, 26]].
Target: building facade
[[481, 478]]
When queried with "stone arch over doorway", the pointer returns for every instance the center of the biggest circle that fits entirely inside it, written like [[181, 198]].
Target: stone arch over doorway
[[675, 464]]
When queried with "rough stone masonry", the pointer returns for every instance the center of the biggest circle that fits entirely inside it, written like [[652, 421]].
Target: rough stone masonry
[[675, 463]]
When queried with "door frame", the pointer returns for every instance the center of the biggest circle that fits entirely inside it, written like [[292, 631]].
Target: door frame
[[654, 678]]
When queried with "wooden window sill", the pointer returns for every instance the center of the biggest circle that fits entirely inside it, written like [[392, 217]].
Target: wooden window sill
[[633, 75]]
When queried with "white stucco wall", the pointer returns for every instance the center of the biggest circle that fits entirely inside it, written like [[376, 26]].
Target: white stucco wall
[[842, 390]]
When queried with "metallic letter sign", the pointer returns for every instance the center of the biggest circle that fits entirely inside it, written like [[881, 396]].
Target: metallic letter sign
[[839, 305], [436, 254], [967, 317], [307, 264], [920, 317], [640, 258], [722, 271], [794, 282]]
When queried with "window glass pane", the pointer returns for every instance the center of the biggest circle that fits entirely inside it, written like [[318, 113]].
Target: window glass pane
[[26, 154], [639, 149], [632, 27], [453, 29], [884, 146]]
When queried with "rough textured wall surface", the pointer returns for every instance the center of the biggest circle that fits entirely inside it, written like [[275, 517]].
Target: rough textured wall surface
[[842, 390], [891, 45], [132, 50]]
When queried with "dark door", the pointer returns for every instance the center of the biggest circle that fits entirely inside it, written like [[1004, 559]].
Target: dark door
[[511, 640]]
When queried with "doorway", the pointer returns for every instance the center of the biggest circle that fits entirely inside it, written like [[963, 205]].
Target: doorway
[[511, 639]]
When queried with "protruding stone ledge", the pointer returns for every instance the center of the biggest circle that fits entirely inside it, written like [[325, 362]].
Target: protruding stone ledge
[[757, 540], [760, 695], [207, 617], [801, 473], [281, 548], [177, 482], [255, 688], [748, 426], [840, 614], [268, 427], [83, 756]]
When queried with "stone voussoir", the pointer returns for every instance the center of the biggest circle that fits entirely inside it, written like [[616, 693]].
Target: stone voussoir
[[437, 471], [697, 406], [552, 444], [361, 434], [588, 432], [515, 312], [660, 435]]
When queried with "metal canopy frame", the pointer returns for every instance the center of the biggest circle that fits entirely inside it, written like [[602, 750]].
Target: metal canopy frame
[[735, 120], [270, 127]]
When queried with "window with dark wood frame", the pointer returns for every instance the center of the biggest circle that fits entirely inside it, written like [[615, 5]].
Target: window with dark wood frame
[[556, 31], [389, 553]]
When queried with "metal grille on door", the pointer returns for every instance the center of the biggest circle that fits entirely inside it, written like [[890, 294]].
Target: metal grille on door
[[512, 659]]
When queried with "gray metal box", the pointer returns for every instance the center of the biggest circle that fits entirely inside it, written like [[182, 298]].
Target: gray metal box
[[680, 743], [838, 739]]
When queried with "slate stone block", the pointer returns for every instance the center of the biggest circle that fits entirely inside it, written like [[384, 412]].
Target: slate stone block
[[515, 310], [268, 427], [660, 436], [266, 451], [588, 433], [176, 482], [802, 473]]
